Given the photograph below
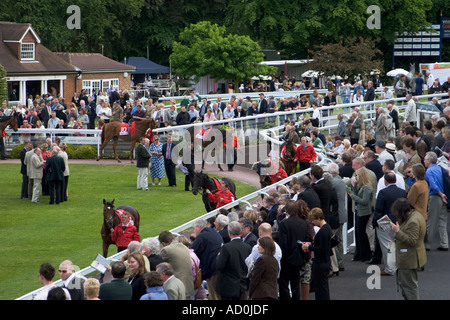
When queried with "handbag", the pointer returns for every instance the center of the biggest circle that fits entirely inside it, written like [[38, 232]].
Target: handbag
[[198, 279], [335, 240]]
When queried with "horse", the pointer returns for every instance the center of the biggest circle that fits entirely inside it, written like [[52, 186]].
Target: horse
[[289, 153], [113, 129], [203, 181], [111, 219], [8, 121], [193, 137]]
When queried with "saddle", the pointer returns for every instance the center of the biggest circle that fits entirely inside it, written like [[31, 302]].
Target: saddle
[[126, 129]]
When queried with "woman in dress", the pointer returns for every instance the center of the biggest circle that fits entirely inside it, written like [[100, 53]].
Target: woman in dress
[[157, 160]]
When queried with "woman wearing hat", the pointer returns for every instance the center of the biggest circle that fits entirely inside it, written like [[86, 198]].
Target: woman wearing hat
[[157, 159]]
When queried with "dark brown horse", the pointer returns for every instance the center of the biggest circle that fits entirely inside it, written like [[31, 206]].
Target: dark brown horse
[[112, 131], [290, 166], [8, 121], [210, 140], [111, 219], [202, 182]]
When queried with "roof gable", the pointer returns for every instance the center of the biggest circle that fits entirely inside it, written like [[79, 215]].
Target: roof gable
[[16, 32]]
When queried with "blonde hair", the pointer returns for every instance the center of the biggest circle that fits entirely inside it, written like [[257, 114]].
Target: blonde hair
[[363, 177], [91, 288]]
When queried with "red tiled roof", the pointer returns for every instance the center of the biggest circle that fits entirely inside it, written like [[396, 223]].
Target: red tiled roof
[[94, 62]]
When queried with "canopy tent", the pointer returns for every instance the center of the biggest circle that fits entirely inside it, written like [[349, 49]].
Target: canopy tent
[[145, 66]]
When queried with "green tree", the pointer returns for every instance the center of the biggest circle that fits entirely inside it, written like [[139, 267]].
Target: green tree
[[207, 49]]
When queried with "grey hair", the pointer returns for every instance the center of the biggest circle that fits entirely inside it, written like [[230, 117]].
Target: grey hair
[[304, 182], [327, 176], [152, 244], [234, 228], [233, 216], [134, 246], [165, 267], [222, 220], [333, 168], [431, 156], [200, 223]]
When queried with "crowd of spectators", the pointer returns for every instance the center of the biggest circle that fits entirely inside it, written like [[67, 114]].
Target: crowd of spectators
[[256, 254]]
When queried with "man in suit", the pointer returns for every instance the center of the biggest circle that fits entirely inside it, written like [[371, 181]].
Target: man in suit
[[221, 105], [23, 170], [271, 207], [118, 288], [409, 247], [207, 245], [323, 189], [54, 171], [308, 194], [177, 254], [247, 234], [142, 163], [291, 230], [386, 197], [173, 287], [380, 127], [70, 281], [370, 94], [373, 164], [393, 113], [421, 146], [36, 173], [355, 129], [168, 163], [91, 112], [230, 263], [44, 113]]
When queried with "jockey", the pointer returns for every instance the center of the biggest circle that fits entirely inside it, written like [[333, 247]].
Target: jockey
[[221, 197]]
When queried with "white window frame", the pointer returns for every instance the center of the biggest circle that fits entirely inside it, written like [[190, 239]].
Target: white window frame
[[101, 84], [31, 50]]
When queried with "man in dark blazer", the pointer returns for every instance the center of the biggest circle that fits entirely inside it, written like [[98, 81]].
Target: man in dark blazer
[[169, 165], [291, 230], [231, 267], [207, 245], [386, 197], [118, 288], [247, 235], [323, 189], [308, 194], [373, 164], [44, 114], [54, 171], [142, 163]]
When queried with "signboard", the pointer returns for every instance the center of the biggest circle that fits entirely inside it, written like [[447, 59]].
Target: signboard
[[424, 43], [81, 140], [445, 27]]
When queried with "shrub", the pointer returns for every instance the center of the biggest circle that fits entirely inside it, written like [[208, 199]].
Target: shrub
[[85, 151], [15, 152]]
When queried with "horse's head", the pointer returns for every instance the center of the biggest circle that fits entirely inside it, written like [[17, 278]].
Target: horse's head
[[265, 181], [14, 125], [198, 183], [108, 213]]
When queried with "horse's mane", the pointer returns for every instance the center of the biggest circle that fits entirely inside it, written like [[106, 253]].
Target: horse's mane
[[5, 118]]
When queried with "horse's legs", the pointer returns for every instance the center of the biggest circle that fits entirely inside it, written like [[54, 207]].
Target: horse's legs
[[100, 156], [115, 149], [133, 142]]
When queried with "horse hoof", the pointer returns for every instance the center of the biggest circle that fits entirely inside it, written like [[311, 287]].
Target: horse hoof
[[119, 161]]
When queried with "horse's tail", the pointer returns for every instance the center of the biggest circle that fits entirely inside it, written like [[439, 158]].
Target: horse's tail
[[103, 133]]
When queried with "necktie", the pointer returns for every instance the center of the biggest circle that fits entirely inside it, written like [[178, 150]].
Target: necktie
[[168, 151]]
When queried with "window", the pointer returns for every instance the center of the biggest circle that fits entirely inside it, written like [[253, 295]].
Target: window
[[27, 51], [94, 86]]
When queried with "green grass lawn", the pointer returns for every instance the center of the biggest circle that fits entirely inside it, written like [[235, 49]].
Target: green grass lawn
[[31, 234]]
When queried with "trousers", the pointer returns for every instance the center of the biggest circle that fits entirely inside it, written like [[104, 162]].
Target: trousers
[[436, 219], [142, 179]]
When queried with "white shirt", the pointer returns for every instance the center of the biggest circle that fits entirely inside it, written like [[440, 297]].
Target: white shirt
[[430, 80], [42, 295], [388, 94], [383, 156], [400, 182]]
